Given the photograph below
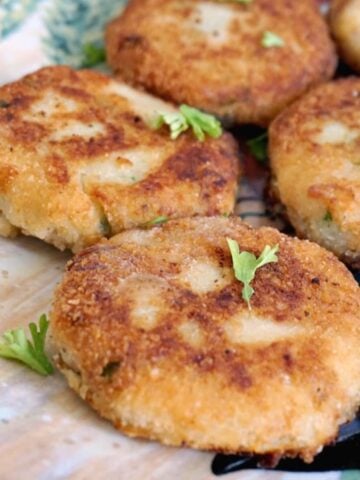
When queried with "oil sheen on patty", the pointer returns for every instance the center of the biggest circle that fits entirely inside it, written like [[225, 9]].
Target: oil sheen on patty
[[79, 161], [223, 57], [151, 330], [315, 162]]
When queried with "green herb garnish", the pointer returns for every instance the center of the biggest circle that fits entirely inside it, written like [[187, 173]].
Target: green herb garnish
[[328, 217], [176, 122], [201, 123], [270, 39], [245, 265], [4, 104], [93, 55], [14, 345], [156, 221], [258, 147], [105, 226]]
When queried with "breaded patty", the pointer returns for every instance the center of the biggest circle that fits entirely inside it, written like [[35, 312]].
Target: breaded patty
[[209, 54], [78, 160], [151, 329], [345, 25], [315, 161]]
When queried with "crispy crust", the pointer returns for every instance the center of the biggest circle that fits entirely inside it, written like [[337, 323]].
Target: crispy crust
[[151, 330], [314, 152], [345, 26], [78, 160], [182, 55]]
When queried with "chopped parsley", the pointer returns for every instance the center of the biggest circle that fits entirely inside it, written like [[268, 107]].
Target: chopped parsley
[[258, 147], [16, 346], [245, 265], [328, 217], [176, 122], [105, 226], [92, 55], [201, 123], [156, 221], [270, 40]]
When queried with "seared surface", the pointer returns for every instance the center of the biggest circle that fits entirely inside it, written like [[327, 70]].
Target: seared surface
[[210, 54], [78, 160], [151, 330], [345, 25], [315, 161]]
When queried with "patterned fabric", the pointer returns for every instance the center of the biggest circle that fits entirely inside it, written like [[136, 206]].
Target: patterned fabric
[[13, 13], [70, 25], [35, 33]]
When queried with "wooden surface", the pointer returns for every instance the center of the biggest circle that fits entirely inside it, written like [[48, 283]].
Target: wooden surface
[[46, 431]]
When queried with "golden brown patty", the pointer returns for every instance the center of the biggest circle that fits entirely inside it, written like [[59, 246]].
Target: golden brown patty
[[345, 25], [78, 160], [210, 54], [151, 330], [315, 161]]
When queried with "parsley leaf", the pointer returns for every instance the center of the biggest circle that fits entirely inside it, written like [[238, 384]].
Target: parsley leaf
[[245, 265], [156, 221], [14, 345], [201, 123], [328, 217], [176, 122], [93, 55], [258, 147], [270, 39], [105, 226]]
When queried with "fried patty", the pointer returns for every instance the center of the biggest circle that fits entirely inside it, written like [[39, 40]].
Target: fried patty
[[345, 26], [152, 331], [78, 160], [210, 54], [315, 161]]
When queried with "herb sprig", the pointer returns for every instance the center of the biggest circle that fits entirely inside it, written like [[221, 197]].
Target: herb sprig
[[92, 55], [271, 39], [328, 217], [156, 221], [201, 123], [15, 345], [258, 147], [245, 265]]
